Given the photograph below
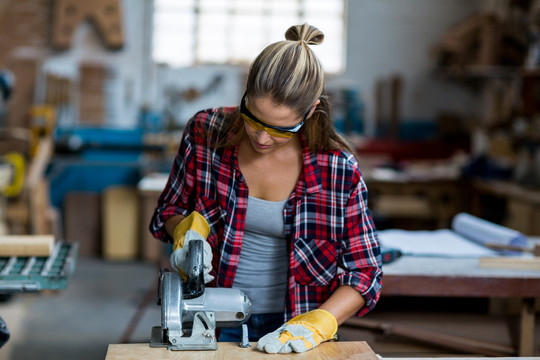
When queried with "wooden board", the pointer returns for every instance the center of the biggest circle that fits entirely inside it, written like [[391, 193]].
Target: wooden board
[[82, 221], [335, 350], [513, 263], [120, 223], [26, 71], [26, 245], [151, 248], [23, 24]]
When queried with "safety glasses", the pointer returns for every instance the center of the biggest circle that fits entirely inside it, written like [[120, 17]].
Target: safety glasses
[[277, 131]]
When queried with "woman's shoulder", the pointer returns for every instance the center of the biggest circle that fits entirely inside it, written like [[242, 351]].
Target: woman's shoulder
[[207, 126], [339, 157], [212, 115], [208, 120], [339, 161]]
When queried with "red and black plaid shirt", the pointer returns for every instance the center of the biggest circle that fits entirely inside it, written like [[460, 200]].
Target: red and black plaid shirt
[[331, 235]]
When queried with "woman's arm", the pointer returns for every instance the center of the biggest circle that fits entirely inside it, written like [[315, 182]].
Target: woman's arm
[[343, 303]]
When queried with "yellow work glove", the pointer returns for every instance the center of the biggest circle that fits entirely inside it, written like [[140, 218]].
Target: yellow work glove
[[301, 333], [193, 227]]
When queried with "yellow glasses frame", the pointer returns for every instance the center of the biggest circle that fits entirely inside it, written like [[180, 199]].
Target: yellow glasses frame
[[273, 132], [277, 131]]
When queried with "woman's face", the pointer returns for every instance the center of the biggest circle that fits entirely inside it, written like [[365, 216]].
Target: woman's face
[[275, 115]]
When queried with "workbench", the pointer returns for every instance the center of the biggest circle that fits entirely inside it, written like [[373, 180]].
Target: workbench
[[463, 277], [334, 350]]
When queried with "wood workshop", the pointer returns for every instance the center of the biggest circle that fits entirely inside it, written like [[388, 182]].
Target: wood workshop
[[140, 141]]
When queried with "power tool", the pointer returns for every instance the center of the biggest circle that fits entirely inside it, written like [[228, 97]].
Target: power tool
[[390, 254], [191, 312]]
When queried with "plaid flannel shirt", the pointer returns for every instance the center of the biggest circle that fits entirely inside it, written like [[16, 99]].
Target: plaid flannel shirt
[[331, 236]]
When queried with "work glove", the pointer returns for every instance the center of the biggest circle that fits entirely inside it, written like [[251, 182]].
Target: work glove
[[301, 333], [193, 227]]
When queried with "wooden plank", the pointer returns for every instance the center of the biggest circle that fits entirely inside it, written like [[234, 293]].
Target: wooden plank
[[120, 223], [23, 24], [335, 350], [405, 206], [395, 115], [82, 221], [526, 339], [26, 245], [513, 263], [42, 215], [38, 165], [509, 190], [25, 71], [151, 248], [519, 215]]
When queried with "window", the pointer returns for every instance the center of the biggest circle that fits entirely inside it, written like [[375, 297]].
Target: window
[[191, 32]]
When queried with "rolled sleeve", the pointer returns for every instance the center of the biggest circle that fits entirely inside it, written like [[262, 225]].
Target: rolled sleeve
[[361, 260], [368, 284]]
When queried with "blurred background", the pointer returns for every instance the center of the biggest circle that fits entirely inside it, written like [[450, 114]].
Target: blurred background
[[440, 98]]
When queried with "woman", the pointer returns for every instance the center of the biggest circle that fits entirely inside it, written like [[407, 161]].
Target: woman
[[278, 196]]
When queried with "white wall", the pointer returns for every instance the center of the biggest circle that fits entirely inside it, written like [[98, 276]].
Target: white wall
[[388, 37], [198, 79]]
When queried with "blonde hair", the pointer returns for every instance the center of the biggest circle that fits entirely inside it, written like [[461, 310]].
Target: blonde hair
[[289, 73]]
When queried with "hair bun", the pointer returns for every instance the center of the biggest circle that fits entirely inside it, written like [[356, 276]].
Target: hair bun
[[309, 34]]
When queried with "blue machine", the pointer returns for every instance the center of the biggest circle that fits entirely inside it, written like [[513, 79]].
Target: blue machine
[[92, 159]]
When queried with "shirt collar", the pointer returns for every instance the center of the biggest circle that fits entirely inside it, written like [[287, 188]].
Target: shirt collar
[[311, 175], [310, 171]]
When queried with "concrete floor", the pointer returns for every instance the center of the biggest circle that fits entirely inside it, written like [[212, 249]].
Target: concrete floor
[[102, 297]]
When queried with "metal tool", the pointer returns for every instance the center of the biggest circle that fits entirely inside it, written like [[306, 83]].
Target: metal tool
[[245, 337], [390, 254], [190, 313]]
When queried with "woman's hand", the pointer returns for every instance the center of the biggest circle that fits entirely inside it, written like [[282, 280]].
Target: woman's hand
[[301, 333]]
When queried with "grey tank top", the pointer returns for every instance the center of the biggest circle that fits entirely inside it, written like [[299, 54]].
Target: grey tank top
[[263, 264]]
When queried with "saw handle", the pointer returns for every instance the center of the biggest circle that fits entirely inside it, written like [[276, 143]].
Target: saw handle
[[194, 286]]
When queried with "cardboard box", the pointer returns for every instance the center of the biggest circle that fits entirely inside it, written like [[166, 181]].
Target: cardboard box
[[82, 221], [120, 223]]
